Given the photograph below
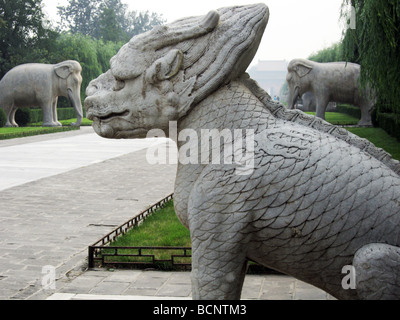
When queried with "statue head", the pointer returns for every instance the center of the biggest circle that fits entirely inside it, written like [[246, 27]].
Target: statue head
[[160, 75]]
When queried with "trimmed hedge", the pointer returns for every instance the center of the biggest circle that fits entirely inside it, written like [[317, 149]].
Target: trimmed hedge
[[63, 114], [3, 118], [24, 116], [350, 110], [28, 133], [390, 122]]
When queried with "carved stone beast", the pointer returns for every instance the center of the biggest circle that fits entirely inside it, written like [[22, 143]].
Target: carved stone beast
[[319, 198]]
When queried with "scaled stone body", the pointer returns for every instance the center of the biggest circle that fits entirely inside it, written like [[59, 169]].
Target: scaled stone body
[[329, 82], [40, 85], [317, 195]]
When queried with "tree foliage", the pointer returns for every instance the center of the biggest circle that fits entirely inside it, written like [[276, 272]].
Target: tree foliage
[[79, 16], [375, 45], [109, 20], [95, 32], [93, 55], [331, 54], [23, 37]]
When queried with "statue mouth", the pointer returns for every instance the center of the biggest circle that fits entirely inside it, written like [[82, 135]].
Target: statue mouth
[[105, 117], [112, 115]]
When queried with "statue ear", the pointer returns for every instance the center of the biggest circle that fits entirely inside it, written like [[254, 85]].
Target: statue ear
[[166, 67], [63, 70], [303, 69]]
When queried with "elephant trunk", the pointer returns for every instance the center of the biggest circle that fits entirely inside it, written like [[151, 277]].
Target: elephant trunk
[[75, 100], [293, 95]]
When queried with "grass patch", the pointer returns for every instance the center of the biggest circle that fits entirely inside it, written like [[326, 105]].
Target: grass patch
[[161, 229], [37, 129], [379, 138], [339, 119], [12, 133], [85, 123]]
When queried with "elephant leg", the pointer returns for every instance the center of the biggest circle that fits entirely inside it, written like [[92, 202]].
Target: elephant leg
[[48, 115], [10, 112], [322, 104], [12, 118], [378, 272], [54, 112], [366, 110]]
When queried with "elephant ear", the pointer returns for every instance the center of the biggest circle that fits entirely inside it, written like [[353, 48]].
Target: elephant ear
[[303, 69], [63, 70], [166, 67]]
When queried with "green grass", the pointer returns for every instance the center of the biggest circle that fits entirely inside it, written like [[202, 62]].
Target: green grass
[[12, 133], [340, 119], [161, 229], [380, 138], [85, 122], [37, 129]]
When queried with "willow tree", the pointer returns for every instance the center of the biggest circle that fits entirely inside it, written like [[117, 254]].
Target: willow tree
[[24, 36], [374, 43], [109, 20]]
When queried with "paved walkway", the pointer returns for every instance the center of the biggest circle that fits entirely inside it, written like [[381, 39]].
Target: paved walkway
[[59, 193]]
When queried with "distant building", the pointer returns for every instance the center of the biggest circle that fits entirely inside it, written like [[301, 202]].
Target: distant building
[[270, 75]]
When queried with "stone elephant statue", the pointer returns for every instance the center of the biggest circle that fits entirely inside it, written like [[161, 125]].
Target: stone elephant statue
[[307, 199], [329, 82], [40, 85]]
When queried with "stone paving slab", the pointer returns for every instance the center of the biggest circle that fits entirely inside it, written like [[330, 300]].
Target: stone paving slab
[[99, 284], [53, 220], [48, 155]]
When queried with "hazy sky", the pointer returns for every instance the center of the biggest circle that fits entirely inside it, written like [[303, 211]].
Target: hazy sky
[[296, 28]]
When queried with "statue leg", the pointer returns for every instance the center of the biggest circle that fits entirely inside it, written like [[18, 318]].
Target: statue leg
[[54, 112], [322, 104], [11, 117], [366, 110], [218, 272], [220, 237], [378, 272], [219, 261], [48, 115]]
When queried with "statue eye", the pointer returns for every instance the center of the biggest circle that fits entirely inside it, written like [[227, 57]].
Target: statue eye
[[119, 85]]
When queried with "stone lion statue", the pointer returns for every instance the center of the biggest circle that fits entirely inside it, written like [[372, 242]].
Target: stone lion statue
[[318, 200]]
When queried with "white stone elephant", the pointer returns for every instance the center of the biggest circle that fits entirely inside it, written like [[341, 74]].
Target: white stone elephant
[[329, 82], [40, 85]]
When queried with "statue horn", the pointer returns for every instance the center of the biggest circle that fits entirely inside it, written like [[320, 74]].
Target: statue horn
[[165, 36]]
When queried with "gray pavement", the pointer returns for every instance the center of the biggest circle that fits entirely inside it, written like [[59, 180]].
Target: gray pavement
[[60, 193]]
